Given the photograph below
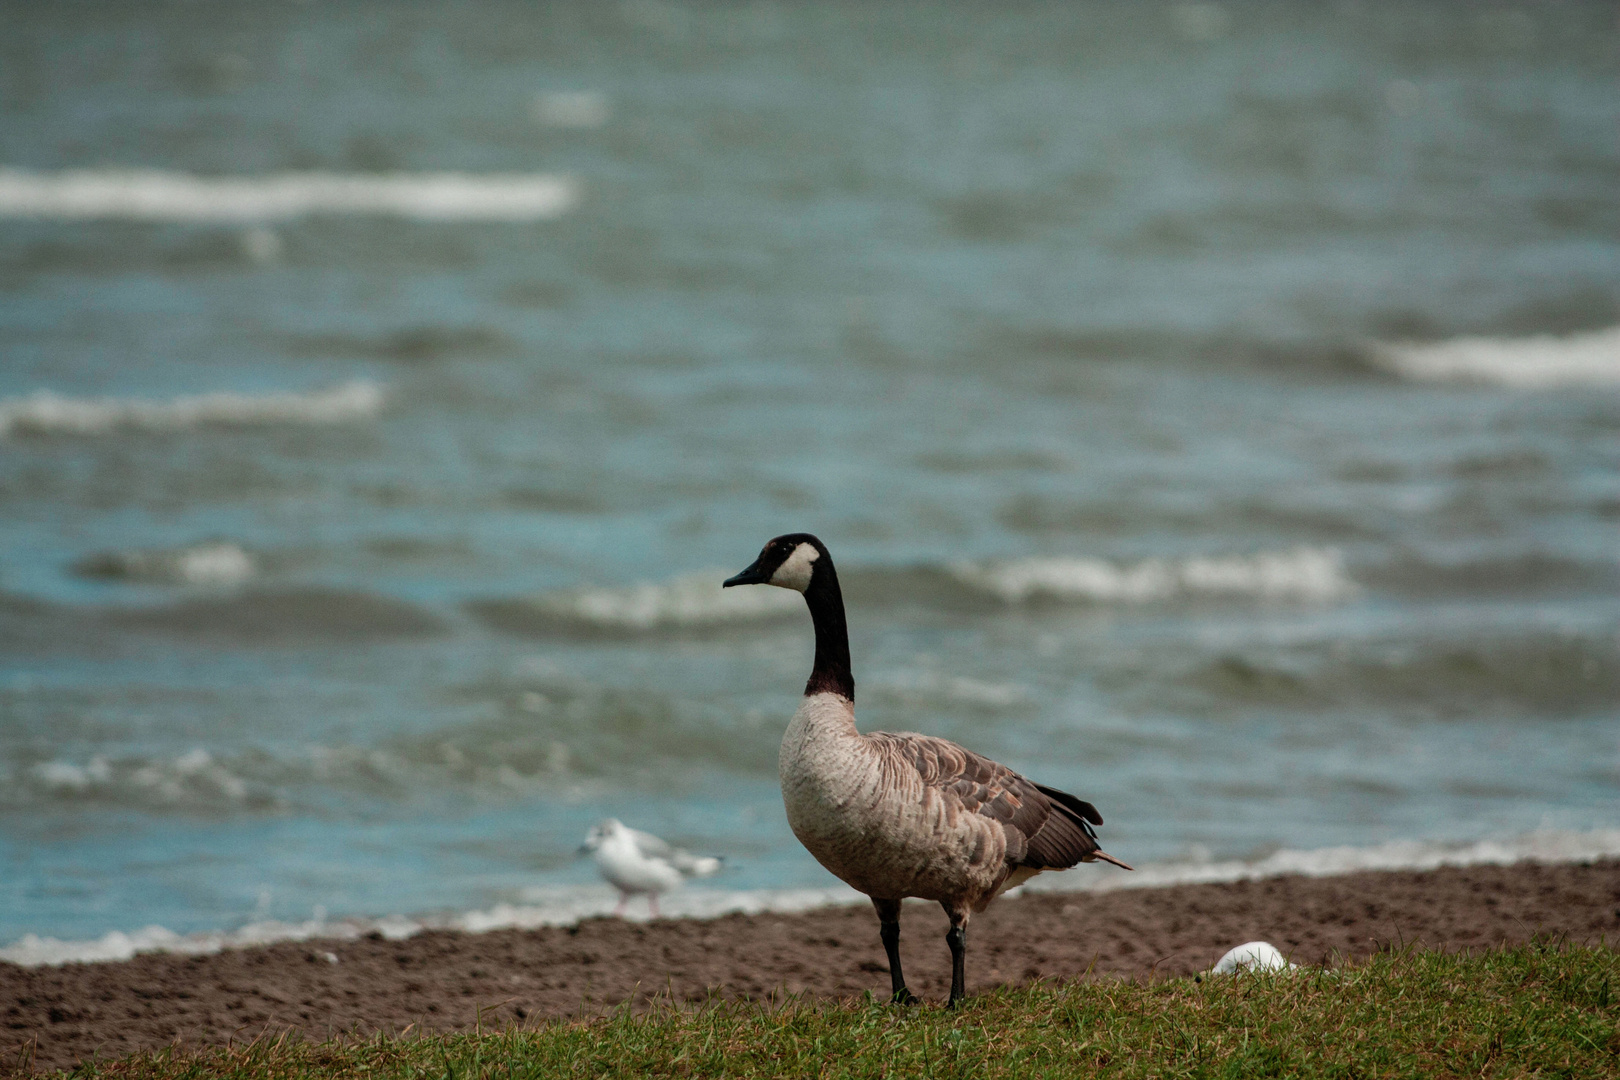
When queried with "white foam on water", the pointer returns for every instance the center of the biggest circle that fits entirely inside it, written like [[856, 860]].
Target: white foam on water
[[33, 950], [71, 777], [692, 600], [215, 563], [503, 763], [567, 905], [562, 906], [48, 413], [1314, 574], [153, 195], [1544, 846], [1531, 363], [192, 778], [220, 563]]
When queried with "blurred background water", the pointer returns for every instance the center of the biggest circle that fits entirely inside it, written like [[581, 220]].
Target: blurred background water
[[1214, 410]]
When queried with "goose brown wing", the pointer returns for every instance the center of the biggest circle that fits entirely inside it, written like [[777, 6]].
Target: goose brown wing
[[1046, 829]]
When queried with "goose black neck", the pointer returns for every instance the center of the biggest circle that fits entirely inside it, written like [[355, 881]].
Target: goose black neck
[[831, 673]]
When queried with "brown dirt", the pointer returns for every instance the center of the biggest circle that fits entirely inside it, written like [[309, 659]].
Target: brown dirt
[[441, 980]]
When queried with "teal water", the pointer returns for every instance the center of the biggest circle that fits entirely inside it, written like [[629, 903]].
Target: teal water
[[1073, 330]]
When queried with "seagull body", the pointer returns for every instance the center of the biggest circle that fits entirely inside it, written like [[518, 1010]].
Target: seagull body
[[638, 862], [898, 814]]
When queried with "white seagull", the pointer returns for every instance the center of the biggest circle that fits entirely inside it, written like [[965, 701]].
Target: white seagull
[[637, 862]]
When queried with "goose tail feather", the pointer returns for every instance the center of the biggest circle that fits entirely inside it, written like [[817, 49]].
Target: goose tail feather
[[1105, 857]]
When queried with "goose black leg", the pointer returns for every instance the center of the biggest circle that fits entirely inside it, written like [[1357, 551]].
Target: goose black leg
[[889, 930], [956, 938]]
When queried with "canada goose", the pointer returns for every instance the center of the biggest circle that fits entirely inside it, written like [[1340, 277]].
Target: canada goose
[[901, 814], [637, 862]]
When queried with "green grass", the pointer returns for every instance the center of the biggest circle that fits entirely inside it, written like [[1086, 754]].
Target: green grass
[[1534, 1010]]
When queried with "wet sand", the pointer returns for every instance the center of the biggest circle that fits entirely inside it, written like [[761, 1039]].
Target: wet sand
[[442, 980]]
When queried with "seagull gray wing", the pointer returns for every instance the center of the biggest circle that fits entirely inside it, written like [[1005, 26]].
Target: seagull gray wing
[[650, 846]]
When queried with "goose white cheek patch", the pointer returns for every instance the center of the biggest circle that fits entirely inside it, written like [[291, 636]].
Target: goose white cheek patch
[[794, 573]]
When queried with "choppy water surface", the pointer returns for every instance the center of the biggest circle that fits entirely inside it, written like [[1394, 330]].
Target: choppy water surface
[[1214, 410]]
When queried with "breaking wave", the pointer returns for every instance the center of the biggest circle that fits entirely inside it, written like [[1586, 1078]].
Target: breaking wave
[[47, 413], [560, 906], [1309, 574], [150, 195], [1530, 363], [696, 602], [531, 736], [215, 563], [567, 905], [256, 781], [692, 601], [194, 780], [1543, 846]]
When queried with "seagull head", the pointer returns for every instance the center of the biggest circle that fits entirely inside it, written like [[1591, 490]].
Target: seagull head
[[600, 833]]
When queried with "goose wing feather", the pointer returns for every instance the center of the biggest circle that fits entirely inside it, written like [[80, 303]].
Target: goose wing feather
[[1045, 828], [1083, 809]]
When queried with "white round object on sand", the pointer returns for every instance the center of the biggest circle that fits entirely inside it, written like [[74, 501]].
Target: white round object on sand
[[1252, 956]]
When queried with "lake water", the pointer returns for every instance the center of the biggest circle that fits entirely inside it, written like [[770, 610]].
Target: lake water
[[1214, 410]]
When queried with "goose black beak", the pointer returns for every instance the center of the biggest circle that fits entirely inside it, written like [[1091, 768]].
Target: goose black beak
[[751, 576]]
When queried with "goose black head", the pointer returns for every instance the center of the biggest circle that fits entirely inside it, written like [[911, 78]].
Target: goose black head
[[788, 562]]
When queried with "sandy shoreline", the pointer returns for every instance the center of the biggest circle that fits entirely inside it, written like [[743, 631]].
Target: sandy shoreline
[[440, 980]]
